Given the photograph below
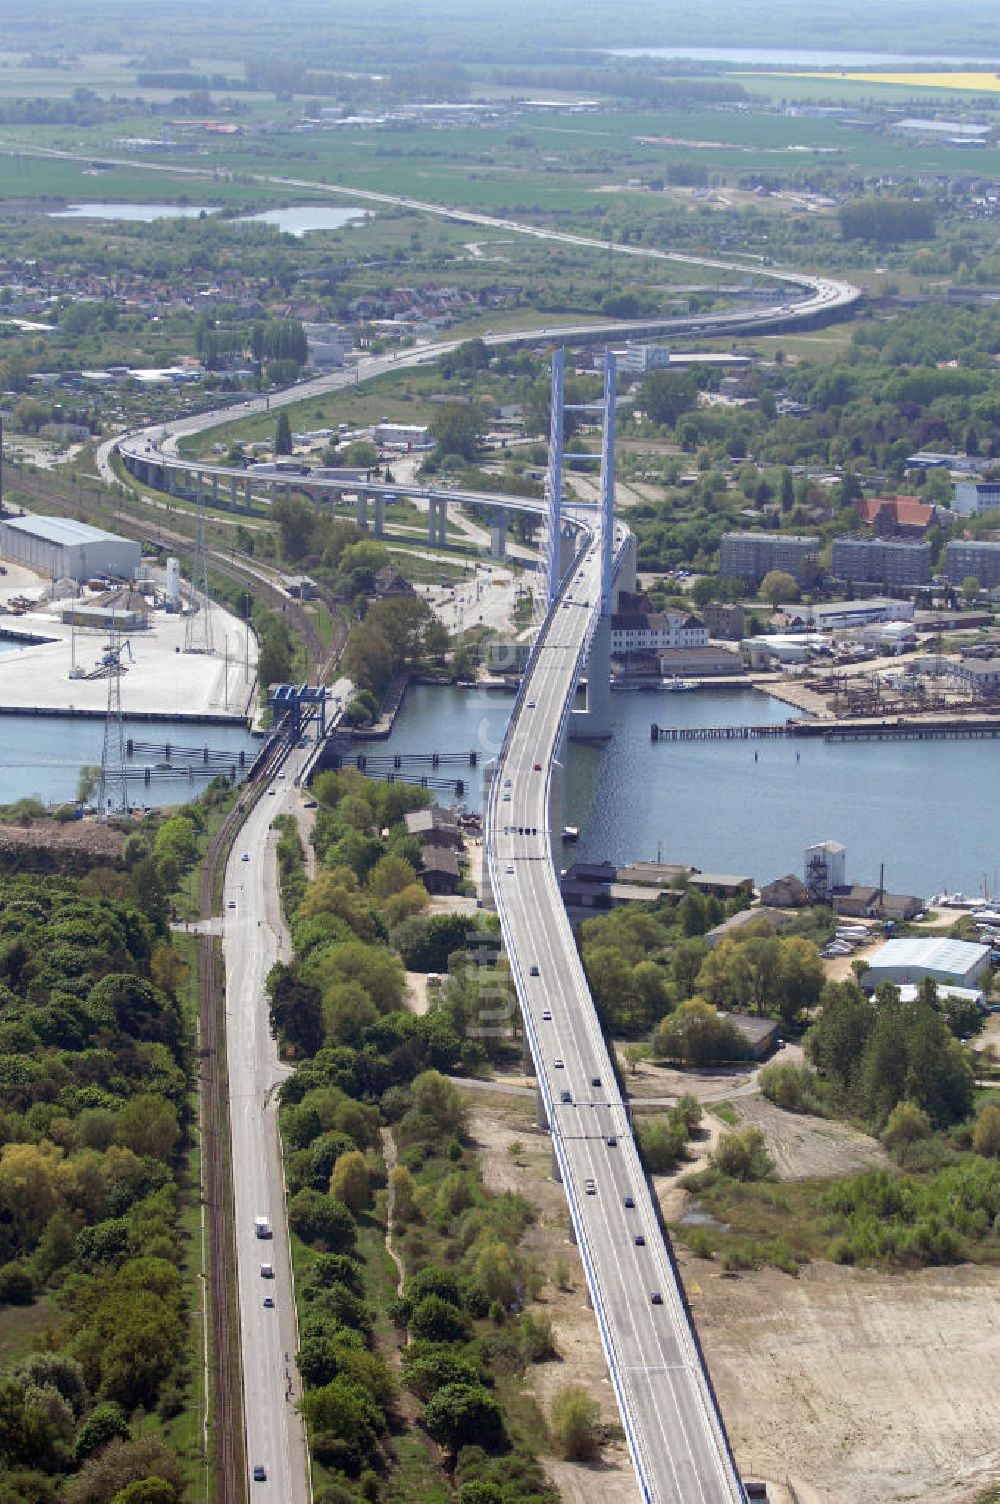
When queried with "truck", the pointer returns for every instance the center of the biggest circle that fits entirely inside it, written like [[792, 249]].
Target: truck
[[262, 1227]]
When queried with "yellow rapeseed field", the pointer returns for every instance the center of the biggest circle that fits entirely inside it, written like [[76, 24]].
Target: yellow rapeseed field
[[979, 83]]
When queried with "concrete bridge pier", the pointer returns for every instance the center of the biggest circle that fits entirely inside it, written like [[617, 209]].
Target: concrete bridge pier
[[557, 799], [625, 578], [361, 511], [498, 536], [246, 494], [232, 493], [594, 723], [555, 1171], [380, 502], [215, 490], [437, 521]]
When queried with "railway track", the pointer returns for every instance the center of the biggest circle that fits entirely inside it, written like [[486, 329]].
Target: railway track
[[227, 1460], [93, 505]]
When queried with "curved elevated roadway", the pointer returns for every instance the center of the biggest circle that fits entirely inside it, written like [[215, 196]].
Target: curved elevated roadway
[[675, 1436]]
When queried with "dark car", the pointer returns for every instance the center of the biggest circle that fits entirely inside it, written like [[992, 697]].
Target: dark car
[[640, 1241], [657, 1298], [260, 1474], [630, 1202], [595, 1081]]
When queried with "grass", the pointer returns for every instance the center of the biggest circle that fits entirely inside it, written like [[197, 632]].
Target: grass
[[23, 1328], [726, 1113]]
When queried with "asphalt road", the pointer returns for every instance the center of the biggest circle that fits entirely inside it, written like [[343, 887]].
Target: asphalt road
[[253, 941], [673, 1429]]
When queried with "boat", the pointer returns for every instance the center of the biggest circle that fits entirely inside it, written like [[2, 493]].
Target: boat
[[679, 686], [570, 833]]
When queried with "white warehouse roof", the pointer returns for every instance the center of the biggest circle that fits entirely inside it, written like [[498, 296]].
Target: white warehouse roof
[[958, 956], [64, 530]]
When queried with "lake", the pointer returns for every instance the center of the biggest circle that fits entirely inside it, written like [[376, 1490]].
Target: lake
[[297, 220], [921, 808], [142, 214], [304, 220]]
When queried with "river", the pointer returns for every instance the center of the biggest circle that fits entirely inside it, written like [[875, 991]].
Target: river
[[41, 756], [920, 808]]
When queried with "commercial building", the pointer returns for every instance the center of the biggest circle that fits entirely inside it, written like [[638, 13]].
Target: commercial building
[[750, 556], [642, 632], [405, 436], [973, 496], [878, 561], [980, 675], [841, 616], [327, 344], [67, 549], [957, 963], [952, 962], [699, 662], [723, 621], [637, 359], [981, 561]]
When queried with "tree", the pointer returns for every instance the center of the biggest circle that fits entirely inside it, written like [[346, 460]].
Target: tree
[[455, 430], [435, 1319], [696, 1034], [283, 434], [970, 589], [295, 1009], [665, 396], [87, 782], [148, 1125], [573, 1417], [147, 1491], [908, 1124], [321, 1221], [777, 585], [297, 520], [349, 1181], [465, 1414], [122, 1463]]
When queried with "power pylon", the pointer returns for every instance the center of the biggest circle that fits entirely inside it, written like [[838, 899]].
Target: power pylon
[[198, 625], [113, 794]]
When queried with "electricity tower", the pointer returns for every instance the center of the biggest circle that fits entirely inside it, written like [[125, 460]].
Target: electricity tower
[[113, 795], [198, 625]]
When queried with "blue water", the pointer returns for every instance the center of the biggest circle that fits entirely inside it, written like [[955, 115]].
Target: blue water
[[294, 221], [924, 809], [143, 214], [41, 756], [303, 220]]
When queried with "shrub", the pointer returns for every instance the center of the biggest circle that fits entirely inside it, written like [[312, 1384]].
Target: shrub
[[574, 1416], [743, 1155]]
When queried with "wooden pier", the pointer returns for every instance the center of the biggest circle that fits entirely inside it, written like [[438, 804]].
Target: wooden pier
[[898, 730]]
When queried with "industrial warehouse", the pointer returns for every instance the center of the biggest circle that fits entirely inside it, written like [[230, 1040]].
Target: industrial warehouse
[[67, 549]]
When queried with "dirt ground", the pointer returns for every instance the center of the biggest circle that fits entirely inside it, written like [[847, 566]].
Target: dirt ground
[[494, 1125], [803, 1147], [87, 839], [843, 1386], [856, 1385]]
